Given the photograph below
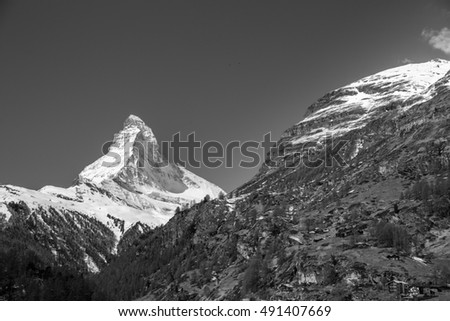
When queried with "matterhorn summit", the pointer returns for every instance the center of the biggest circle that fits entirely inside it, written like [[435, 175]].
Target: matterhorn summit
[[137, 173], [131, 187]]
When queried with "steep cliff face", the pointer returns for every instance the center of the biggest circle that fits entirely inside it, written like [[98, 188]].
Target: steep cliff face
[[338, 230], [132, 185]]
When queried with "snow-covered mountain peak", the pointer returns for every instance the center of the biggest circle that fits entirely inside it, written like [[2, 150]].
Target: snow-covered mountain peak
[[354, 105], [136, 173]]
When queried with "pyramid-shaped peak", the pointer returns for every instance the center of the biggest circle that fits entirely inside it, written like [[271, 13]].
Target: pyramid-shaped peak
[[133, 120]]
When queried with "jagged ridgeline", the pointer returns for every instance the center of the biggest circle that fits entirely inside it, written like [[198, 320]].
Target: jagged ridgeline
[[373, 227]]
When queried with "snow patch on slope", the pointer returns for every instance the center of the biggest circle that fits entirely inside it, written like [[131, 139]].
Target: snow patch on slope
[[4, 210], [110, 164], [198, 187], [92, 267]]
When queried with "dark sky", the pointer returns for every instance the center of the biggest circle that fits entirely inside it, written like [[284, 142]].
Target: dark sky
[[72, 71]]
